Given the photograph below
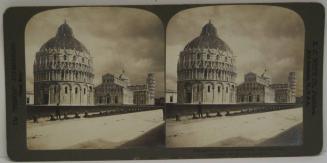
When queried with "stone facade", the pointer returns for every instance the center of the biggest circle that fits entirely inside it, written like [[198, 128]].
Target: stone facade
[[205, 72], [63, 72], [282, 93], [116, 89]]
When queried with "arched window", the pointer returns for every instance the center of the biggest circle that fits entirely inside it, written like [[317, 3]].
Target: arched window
[[258, 98], [84, 90], [199, 56], [218, 89], [217, 57], [76, 90], [208, 56], [66, 90], [65, 57], [209, 88], [226, 89]]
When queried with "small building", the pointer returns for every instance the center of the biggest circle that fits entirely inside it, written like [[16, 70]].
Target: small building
[[140, 94], [171, 96], [29, 98], [282, 93]]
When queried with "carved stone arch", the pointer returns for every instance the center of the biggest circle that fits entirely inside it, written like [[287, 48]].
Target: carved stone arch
[[66, 84], [78, 85], [211, 83], [84, 86]]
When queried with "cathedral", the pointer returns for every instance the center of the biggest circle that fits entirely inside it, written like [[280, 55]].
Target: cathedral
[[63, 72], [116, 89], [259, 89], [206, 70], [255, 89]]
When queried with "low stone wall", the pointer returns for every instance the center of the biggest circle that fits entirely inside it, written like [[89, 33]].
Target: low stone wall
[[173, 110], [46, 111]]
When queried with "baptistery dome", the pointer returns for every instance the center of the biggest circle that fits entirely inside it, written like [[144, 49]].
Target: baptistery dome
[[63, 71], [206, 70], [208, 39], [64, 39]]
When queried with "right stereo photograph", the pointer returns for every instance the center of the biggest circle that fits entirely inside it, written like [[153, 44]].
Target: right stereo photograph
[[234, 77]]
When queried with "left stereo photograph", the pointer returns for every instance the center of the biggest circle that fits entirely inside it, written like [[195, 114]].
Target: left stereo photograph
[[94, 79]]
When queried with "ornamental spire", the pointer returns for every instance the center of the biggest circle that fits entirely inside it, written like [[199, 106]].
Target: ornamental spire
[[209, 29]]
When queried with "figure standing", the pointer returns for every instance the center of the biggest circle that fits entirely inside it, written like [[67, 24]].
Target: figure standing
[[200, 110], [58, 114]]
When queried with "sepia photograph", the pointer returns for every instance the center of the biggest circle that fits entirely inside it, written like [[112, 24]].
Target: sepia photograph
[[94, 79], [234, 77]]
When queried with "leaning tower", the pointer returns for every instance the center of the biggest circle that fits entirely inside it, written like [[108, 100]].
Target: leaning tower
[[292, 85], [151, 83]]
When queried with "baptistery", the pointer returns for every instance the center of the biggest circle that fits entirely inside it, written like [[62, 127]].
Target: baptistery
[[63, 72], [206, 70]]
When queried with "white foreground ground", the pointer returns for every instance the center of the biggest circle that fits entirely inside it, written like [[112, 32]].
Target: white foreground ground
[[99, 132], [261, 129]]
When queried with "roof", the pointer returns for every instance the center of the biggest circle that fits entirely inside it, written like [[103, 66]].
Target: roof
[[64, 39], [208, 39]]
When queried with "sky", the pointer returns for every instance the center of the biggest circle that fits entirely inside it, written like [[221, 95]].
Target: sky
[[117, 38], [261, 37]]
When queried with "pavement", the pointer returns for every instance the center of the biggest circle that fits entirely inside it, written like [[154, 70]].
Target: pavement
[[275, 128], [116, 131]]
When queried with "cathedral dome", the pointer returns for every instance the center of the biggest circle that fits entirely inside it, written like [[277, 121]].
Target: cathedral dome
[[64, 39], [208, 39], [123, 76]]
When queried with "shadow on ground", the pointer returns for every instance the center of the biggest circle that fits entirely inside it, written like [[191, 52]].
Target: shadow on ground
[[153, 138], [290, 137]]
